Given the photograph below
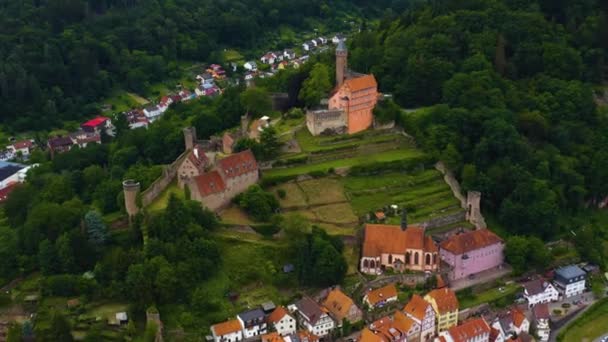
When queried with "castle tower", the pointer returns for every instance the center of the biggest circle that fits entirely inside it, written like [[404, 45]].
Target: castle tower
[[404, 219], [473, 213], [341, 62], [131, 190], [189, 137]]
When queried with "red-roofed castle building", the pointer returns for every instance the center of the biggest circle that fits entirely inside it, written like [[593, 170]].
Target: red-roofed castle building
[[397, 247], [215, 184], [97, 125], [472, 252], [351, 104]]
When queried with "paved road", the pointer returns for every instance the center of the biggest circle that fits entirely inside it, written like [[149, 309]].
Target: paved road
[[599, 339]]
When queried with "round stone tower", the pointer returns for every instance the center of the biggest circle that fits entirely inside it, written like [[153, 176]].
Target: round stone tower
[[131, 188], [341, 62], [189, 137]]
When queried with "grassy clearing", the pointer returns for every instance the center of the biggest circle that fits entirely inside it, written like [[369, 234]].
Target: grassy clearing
[[161, 201], [351, 254], [122, 101], [386, 156], [234, 215], [591, 325], [323, 190], [232, 56], [340, 213], [310, 143], [295, 197], [491, 295]]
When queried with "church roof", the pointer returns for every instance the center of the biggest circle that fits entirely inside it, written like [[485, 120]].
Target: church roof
[[382, 238]]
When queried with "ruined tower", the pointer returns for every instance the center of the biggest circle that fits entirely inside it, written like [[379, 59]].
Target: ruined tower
[[189, 137], [404, 219], [473, 213], [341, 62], [131, 190]]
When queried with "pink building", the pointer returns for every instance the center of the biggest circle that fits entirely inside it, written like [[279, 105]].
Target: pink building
[[472, 252]]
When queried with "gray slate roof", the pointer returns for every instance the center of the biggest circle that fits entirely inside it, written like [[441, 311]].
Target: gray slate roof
[[570, 272], [251, 315]]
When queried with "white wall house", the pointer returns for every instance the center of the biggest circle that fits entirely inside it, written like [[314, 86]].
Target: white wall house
[[313, 318], [251, 66], [541, 322], [570, 280], [540, 291], [284, 323], [253, 323], [229, 331]]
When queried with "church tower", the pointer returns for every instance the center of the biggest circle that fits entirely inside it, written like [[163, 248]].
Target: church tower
[[341, 65]]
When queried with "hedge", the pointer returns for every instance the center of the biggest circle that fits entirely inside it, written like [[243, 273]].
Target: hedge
[[397, 165]]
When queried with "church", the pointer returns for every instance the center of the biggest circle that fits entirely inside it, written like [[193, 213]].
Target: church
[[351, 103]]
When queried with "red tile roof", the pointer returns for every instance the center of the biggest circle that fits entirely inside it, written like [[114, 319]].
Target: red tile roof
[[6, 191], [445, 299], [541, 311], [360, 83], [98, 121], [369, 336], [338, 304], [198, 158], [210, 183], [378, 295], [23, 144], [238, 164], [469, 241], [381, 238], [469, 330], [417, 307], [518, 316], [277, 315], [227, 327]]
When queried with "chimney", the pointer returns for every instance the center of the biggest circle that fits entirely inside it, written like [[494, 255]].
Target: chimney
[[404, 219]]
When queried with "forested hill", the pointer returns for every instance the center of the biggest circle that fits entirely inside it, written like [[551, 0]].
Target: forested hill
[[58, 57], [512, 84]]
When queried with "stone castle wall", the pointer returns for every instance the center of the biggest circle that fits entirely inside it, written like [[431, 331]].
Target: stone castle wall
[[320, 121], [161, 183]]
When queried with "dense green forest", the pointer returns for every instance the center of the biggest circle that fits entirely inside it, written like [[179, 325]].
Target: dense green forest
[[512, 86], [59, 58]]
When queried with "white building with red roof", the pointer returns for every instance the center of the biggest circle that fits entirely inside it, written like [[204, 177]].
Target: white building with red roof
[[472, 252], [24, 147], [399, 248], [97, 125], [474, 330]]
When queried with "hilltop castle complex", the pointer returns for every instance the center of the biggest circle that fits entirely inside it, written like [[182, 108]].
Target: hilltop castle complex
[[351, 103]]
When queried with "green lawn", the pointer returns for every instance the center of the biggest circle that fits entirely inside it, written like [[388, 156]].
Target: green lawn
[[387, 156], [486, 296], [122, 101], [232, 56], [310, 143], [592, 324], [161, 201]]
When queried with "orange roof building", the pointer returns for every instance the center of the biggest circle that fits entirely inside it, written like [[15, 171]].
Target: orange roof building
[[391, 246], [282, 321], [422, 313], [472, 252], [473, 330], [227, 331], [380, 297], [446, 306], [341, 306], [272, 337], [399, 328]]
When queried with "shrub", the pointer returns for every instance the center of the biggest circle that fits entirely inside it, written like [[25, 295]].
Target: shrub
[[259, 204], [566, 305], [281, 193], [266, 230], [317, 174], [557, 312]]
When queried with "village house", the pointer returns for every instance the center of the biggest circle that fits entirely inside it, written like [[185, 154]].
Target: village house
[[97, 125], [540, 291], [282, 322], [250, 66], [302, 336], [22, 147], [511, 323], [268, 58], [153, 112], [472, 252], [341, 307], [541, 321], [397, 247], [59, 145], [82, 139], [379, 297], [253, 322], [446, 305], [474, 330], [355, 94], [569, 280], [13, 173], [399, 328], [313, 318], [423, 314], [289, 54], [272, 337], [338, 38], [205, 78], [229, 331], [136, 119]]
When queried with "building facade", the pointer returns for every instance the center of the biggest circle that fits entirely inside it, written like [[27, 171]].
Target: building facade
[[570, 280], [399, 248], [379, 297], [229, 331], [423, 314], [540, 291], [253, 323], [472, 252], [474, 330], [541, 321], [313, 318], [341, 307], [282, 322], [446, 307]]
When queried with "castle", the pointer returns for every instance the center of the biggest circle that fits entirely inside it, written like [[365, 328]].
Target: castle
[[351, 104]]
